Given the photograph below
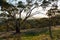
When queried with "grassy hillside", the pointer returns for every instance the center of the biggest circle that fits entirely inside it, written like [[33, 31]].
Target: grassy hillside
[[43, 34]]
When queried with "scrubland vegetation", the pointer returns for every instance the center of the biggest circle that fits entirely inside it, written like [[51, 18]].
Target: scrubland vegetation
[[15, 27], [32, 30]]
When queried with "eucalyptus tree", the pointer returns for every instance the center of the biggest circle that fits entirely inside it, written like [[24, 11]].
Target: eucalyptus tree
[[51, 12], [13, 11], [26, 8], [5, 7]]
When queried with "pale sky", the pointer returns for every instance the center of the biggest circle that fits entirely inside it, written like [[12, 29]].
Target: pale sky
[[13, 2], [40, 9]]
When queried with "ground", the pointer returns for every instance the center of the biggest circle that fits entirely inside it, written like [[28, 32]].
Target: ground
[[32, 34]]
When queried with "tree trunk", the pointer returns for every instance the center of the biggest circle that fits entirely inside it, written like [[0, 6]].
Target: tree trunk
[[50, 31], [7, 27], [17, 26]]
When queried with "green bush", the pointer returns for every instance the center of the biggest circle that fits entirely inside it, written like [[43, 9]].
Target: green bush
[[31, 33]]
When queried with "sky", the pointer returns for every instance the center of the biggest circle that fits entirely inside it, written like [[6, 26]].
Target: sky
[[13, 2], [40, 15], [36, 9]]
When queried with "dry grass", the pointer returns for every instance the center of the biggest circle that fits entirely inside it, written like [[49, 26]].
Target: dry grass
[[42, 36]]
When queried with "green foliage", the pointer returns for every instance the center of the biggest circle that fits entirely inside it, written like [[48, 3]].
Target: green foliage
[[5, 4], [31, 33], [29, 1], [28, 24], [21, 5]]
